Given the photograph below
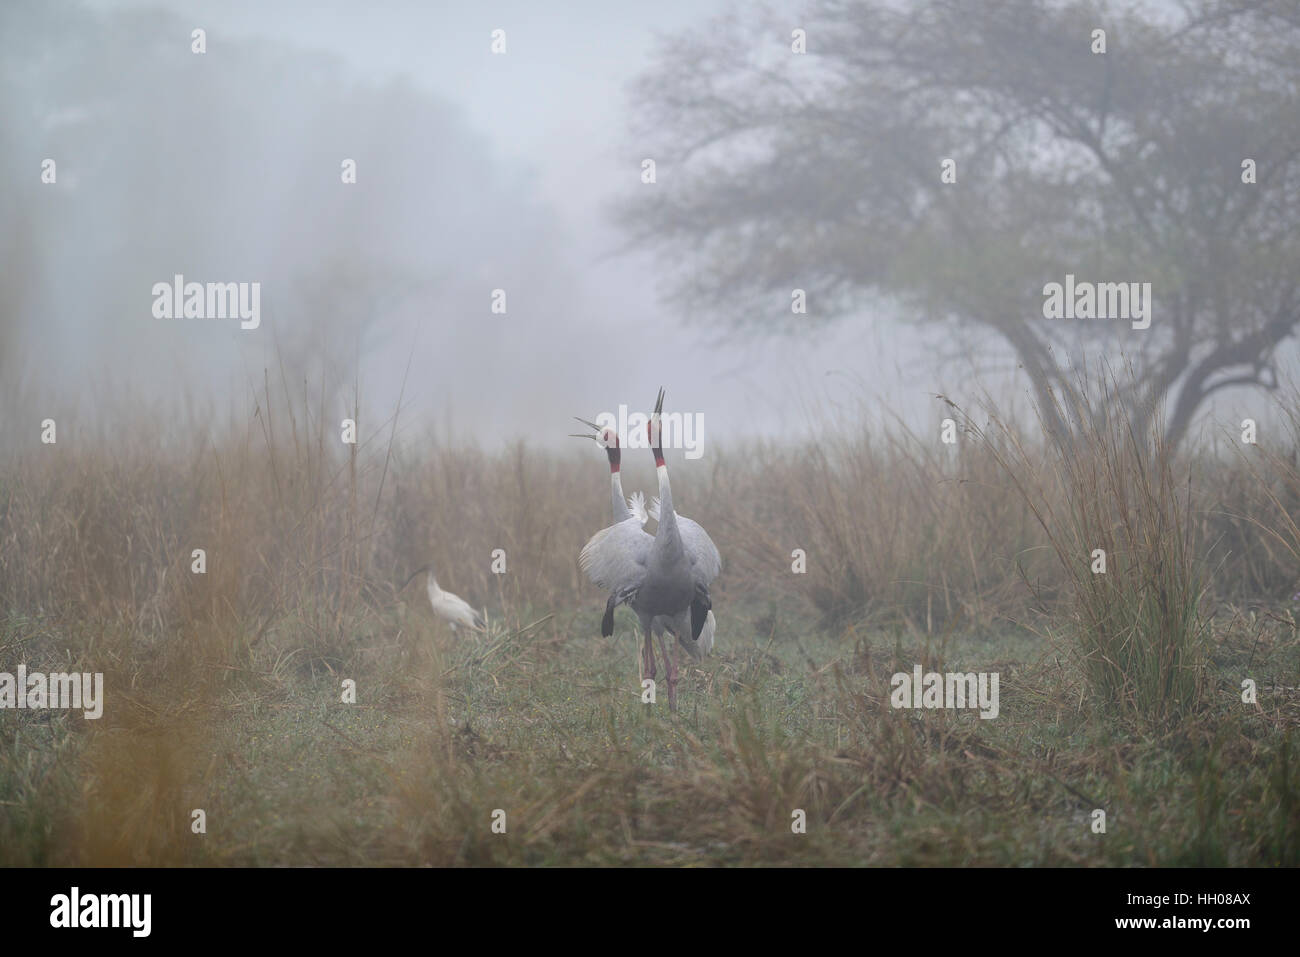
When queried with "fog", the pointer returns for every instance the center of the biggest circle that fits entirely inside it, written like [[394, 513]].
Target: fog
[[475, 171]]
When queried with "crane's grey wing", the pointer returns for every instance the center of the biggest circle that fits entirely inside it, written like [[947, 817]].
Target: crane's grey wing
[[706, 563], [615, 558]]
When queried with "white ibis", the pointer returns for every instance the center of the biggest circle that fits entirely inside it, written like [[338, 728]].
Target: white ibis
[[452, 609]]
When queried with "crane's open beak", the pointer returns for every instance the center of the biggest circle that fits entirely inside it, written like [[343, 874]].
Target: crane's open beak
[[652, 429], [582, 435], [599, 436]]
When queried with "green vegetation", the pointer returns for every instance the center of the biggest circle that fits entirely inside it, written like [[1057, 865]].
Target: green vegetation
[[223, 690]]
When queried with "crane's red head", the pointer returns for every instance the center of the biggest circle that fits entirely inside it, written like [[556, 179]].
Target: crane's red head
[[609, 438], [604, 436], [654, 430]]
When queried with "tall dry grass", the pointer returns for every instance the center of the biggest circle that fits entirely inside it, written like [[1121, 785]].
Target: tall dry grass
[[304, 533], [897, 529], [1117, 510], [306, 540]]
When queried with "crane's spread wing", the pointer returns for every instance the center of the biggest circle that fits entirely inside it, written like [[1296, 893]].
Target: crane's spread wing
[[706, 563], [616, 556]]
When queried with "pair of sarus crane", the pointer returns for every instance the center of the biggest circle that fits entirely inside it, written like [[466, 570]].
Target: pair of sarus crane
[[663, 577]]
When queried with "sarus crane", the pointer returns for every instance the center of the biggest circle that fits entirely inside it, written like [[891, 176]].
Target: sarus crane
[[664, 579]]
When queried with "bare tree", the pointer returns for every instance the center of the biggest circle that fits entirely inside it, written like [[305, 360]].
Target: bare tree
[[823, 172]]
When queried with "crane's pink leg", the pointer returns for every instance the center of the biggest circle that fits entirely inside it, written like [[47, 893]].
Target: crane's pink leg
[[648, 657], [671, 667]]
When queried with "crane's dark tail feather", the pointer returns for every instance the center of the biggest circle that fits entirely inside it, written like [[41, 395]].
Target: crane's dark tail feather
[[627, 594], [607, 623]]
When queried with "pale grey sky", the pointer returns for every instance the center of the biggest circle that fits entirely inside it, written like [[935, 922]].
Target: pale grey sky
[[509, 186], [552, 113]]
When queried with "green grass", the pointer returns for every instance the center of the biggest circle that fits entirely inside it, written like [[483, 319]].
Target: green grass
[[546, 724]]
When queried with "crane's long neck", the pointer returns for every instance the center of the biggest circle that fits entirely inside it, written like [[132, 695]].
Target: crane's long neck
[[434, 589], [621, 511], [667, 530]]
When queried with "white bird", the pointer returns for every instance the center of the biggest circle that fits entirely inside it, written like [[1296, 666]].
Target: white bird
[[664, 579], [452, 609]]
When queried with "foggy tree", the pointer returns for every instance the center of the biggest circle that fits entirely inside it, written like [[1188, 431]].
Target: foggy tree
[[822, 171]]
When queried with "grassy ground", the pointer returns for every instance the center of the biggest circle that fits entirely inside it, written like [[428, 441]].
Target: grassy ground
[[1119, 691], [546, 724]]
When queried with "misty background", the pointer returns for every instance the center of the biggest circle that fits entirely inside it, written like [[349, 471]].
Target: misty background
[[475, 171]]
